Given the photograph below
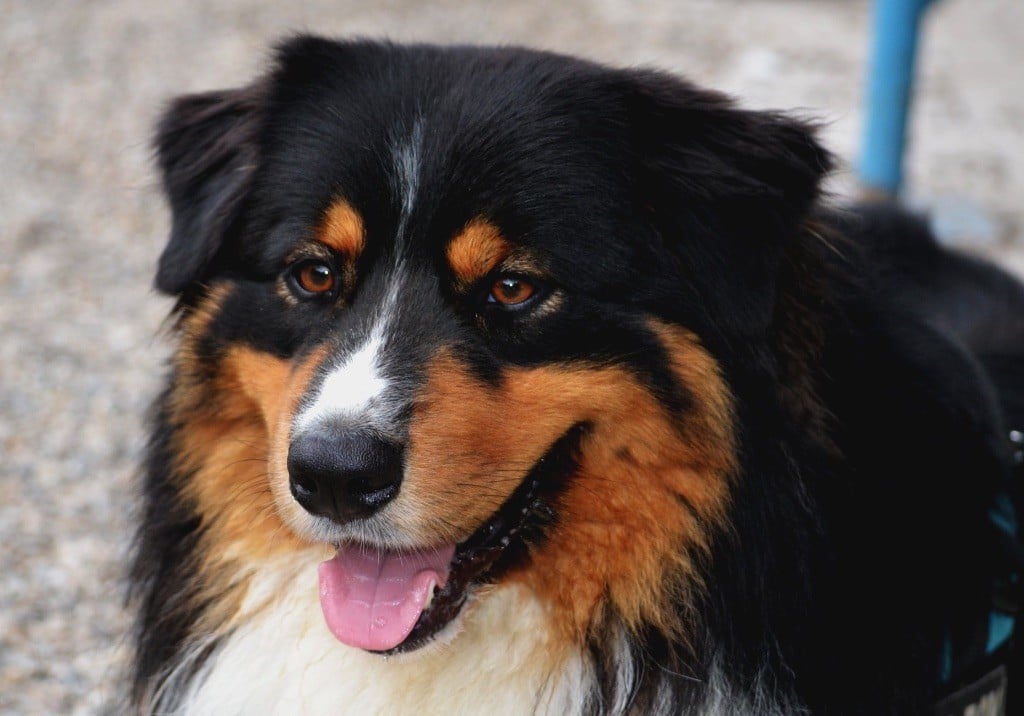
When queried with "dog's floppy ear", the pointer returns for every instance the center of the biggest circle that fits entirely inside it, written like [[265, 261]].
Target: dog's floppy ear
[[727, 188], [207, 154]]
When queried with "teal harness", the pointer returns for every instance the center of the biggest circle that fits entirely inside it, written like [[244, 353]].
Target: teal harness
[[974, 684]]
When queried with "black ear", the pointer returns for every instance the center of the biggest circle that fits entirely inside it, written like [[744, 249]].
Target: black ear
[[729, 190], [207, 153], [700, 145]]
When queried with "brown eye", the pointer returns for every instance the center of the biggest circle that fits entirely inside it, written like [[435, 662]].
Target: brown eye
[[511, 291], [315, 278]]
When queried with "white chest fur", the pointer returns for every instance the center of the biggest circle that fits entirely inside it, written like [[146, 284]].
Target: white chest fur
[[282, 660]]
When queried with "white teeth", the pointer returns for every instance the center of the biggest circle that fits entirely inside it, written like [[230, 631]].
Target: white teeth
[[430, 594]]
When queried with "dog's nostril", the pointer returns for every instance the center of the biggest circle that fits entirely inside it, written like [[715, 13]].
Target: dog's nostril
[[343, 475], [377, 498], [303, 488]]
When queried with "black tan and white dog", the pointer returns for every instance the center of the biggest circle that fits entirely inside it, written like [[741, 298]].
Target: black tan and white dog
[[510, 383]]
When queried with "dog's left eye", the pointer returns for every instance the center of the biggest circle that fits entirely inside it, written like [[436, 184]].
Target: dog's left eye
[[314, 278]]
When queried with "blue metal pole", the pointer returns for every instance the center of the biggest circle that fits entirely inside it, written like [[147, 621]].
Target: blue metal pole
[[895, 28]]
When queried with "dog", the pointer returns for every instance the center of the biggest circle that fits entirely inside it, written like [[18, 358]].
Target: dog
[[506, 382]]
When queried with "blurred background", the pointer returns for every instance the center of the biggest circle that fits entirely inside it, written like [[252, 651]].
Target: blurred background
[[81, 224]]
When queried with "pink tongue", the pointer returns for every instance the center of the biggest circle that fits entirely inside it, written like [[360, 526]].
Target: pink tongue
[[372, 599]]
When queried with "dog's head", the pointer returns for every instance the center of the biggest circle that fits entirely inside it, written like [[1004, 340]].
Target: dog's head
[[459, 315]]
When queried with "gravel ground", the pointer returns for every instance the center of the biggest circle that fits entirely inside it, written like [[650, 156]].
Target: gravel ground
[[81, 225]]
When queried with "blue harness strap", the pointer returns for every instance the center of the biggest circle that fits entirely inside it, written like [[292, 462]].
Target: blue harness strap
[[982, 688], [1001, 621]]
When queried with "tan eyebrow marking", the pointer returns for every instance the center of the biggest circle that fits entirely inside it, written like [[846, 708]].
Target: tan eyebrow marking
[[476, 251], [342, 229]]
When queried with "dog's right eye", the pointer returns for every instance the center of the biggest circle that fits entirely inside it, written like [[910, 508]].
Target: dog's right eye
[[511, 292], [313, 279]]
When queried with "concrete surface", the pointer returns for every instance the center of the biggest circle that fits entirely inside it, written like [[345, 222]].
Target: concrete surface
[[81, 225]]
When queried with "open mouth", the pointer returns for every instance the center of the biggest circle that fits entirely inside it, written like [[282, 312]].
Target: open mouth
[[392, 602]]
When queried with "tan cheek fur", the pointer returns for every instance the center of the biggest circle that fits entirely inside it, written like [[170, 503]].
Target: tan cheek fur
[[650, 491], [229, 416]]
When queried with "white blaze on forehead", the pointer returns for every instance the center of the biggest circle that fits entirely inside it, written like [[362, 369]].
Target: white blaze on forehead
[[357, 388], [407, 170]]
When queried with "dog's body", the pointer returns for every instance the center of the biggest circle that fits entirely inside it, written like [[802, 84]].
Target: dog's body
[[578, 347]]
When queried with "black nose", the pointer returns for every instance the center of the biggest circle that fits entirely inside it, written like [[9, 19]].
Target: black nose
[[343, 475]]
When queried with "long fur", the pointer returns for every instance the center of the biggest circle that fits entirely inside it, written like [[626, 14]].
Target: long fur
[[754, 440]]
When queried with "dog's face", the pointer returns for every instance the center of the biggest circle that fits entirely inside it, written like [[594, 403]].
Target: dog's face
[[458, 316]]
